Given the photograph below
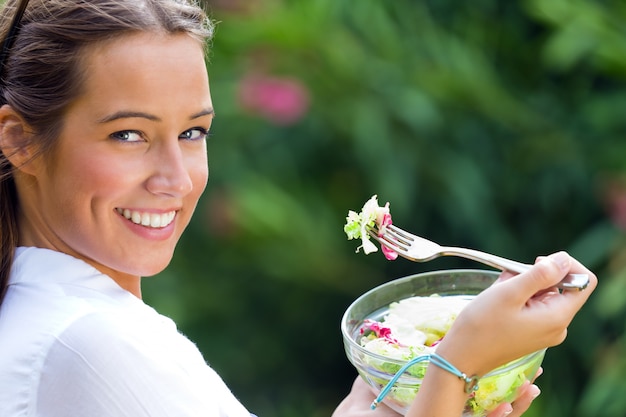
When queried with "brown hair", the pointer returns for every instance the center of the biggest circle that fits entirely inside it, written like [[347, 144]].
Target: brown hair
[[41, 74]]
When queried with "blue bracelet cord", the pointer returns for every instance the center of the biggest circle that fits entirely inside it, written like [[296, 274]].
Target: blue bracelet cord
[[471, 382]]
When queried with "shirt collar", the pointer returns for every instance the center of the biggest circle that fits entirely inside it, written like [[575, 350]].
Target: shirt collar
[[38, 265]]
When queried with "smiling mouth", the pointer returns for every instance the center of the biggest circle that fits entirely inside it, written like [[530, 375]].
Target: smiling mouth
[[154, 220]]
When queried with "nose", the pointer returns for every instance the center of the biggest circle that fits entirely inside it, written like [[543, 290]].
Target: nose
[[171, 174]]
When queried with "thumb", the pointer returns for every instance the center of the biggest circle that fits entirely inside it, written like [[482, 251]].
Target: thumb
[[543, 275]]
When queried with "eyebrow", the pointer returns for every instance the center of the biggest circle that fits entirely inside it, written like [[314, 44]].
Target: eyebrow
[[126, 114]]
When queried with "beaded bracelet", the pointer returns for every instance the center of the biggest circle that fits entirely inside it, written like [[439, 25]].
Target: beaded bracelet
[[471, 382]]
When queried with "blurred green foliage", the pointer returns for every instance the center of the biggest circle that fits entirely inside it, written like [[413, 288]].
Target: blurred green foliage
[[490, 124]]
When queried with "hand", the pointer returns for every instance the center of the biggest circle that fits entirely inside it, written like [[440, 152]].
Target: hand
[[357, 403], [515, 317]]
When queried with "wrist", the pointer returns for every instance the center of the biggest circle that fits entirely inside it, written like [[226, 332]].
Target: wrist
[[461, 357], [441, 394], [470, 381]]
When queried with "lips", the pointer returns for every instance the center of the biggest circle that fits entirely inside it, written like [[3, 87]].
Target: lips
[[153, 220]]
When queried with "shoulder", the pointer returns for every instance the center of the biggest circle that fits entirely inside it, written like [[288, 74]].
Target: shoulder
[[121, 336], [48, 342], [124, 362], [129, 365], [118, 362]]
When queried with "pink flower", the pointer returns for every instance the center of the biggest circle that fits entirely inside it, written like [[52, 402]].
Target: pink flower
[[378, 329], [383, 221], [280, 100]]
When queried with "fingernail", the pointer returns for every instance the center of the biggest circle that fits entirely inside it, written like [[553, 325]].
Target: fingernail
[[508, 411], [561, 259], [534, 391]]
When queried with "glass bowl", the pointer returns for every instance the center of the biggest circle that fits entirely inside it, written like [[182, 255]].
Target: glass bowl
[[496, 387]]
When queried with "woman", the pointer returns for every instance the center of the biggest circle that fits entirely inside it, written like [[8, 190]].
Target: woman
[[105, 108]]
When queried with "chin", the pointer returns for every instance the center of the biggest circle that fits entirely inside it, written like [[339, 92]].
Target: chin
[[154, 269], [148, 268]]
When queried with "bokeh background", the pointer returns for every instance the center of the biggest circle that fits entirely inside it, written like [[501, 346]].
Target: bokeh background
[[497, 125]]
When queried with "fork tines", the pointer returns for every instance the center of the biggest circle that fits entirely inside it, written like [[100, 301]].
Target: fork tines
[[396, 235], [391, 239], [400, 234]]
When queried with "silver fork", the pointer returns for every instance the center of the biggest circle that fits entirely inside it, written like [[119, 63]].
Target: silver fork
[[418, 249]]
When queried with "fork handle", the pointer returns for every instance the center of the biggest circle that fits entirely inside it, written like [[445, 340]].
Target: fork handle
[[570, 282]]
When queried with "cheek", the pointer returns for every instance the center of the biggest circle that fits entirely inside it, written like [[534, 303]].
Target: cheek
[[199, 174], [86, 178], [100, 175]]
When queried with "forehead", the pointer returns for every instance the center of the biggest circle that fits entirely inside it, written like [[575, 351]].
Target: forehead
[[146, 69]]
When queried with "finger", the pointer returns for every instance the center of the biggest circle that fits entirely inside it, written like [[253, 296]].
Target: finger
[[544, 274], [526, 394], [504, 275], [524, 400], [578, 268], [503, 410], [570, 302]]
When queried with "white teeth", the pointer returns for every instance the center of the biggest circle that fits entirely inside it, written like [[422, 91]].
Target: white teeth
[[156, 220], [153, 220]]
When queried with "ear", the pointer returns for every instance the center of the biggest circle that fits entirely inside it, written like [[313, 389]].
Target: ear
[[16, 140]]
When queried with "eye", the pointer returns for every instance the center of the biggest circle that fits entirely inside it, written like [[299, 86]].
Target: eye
[[196, 133], [127, 136]]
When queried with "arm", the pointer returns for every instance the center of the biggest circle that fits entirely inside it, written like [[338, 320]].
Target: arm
[[515, 317]]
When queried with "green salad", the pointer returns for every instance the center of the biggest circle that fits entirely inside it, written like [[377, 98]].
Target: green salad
[[413, 327]]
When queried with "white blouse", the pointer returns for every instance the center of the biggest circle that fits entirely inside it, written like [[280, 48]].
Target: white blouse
[[75, 344]]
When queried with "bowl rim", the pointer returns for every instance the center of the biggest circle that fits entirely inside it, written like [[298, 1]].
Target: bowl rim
[[352, 344]]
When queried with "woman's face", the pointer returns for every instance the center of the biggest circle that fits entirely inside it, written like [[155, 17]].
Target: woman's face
[[130, 163]]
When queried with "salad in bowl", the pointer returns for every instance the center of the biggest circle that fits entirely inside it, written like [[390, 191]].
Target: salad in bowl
[[406, 318]]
